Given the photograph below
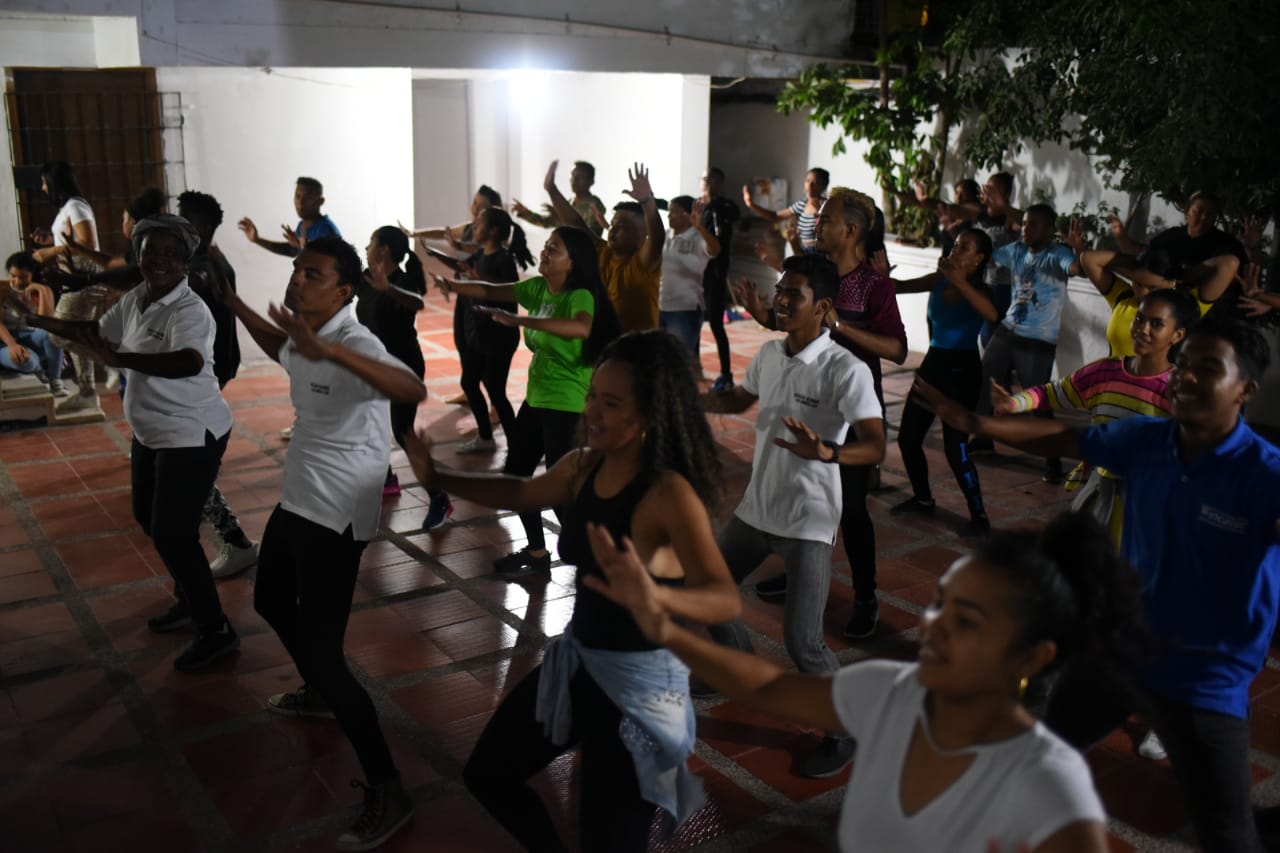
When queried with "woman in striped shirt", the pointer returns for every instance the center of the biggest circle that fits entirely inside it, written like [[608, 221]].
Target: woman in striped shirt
[[1114, 388]]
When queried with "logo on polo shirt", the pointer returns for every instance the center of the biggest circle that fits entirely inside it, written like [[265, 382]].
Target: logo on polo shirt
[[1223, 521], [155, 334], [317, 388], [804, 400]]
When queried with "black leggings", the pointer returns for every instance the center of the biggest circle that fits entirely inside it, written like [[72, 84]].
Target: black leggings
[[715, 291], [612, 817], [487, 361], [538, 433], [958, 375], [306, 578], [859, 533]]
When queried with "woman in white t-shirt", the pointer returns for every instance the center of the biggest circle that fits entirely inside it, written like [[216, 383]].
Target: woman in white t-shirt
[[948, 757], [688, 249]]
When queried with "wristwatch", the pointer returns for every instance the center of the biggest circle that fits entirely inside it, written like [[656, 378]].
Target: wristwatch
[[835, 452]]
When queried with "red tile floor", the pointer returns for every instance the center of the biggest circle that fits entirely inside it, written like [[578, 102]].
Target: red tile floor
[[103, 746]]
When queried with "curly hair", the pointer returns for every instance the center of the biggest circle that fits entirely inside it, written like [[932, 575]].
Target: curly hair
[[677, 436]]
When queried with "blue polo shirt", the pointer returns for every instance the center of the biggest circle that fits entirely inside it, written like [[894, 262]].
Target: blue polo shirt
[[1203, 538], [322, 227]]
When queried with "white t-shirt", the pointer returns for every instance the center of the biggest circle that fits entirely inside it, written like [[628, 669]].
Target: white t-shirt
[[168, 413], [337, 459], [684, 260], [1018, 791], [828, 388], [75, 211]]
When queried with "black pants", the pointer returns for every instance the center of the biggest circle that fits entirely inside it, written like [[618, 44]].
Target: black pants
[[1209, 751], [306, 578], [612, 817], [1007, 354], [538, 433], [715, 294], [859, 533], [488, 361], [958, 375], [170, 487]]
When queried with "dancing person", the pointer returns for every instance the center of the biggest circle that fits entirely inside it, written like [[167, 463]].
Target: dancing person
[[569, 321], [581, 178], [959, 303], [631, 259], [686, 253], [810, 391], [341, 378], [162, 335], [308, 198], [147, 203], [646, 470], [1201, 502], [946, 748], [460, 236], [719, 216], [803, 211]]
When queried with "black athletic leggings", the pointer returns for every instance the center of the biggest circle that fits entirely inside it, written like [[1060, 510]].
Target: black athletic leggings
[[538, 433], [487, 361], [859, 533], [957, 374], [612, 817], [715, 292]]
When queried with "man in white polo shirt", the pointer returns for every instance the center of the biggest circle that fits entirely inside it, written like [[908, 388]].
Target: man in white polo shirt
[[810, 390], [340, 379]]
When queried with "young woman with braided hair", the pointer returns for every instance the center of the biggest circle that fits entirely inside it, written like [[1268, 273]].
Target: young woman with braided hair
[[645, 470]]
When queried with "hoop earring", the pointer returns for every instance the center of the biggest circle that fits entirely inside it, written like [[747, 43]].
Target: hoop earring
[[1022, 688]]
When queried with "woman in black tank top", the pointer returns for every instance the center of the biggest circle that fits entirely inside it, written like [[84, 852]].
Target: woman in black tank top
[[646, 474]]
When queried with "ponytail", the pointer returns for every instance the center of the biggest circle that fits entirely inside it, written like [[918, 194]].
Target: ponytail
[[397, 243], [519, 247], [505, 227]]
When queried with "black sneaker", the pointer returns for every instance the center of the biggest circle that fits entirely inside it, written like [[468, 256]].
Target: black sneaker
[[831, 756], [977, 528], [438, 511], [772, 589], [1053, 472], [862, 623], [208, 648], [177, 617], [914, 506], [386, 808], [522, 563]]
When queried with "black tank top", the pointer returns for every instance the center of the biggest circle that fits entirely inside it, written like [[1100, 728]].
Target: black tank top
[[598, 623]]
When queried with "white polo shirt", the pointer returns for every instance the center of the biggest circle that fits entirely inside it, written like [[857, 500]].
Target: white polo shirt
[[827, 387], [168, 413], [337, 459]]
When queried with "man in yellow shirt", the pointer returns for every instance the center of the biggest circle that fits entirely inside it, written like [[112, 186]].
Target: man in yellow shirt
[[631, 259]]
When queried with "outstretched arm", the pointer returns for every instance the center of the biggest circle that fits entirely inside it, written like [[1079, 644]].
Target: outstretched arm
[[277, 247], [764, 212], [498, 491], [737, 399], [1032, 435]]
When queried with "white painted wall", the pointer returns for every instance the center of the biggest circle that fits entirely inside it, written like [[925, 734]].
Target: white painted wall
[[249, 134]]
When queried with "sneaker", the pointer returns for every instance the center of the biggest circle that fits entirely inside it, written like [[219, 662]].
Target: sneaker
[[232, 560], [303, 702], [208, 648], [177, 617], [391, 486], [438, 511], [723, 382], [522, 562], [476, 444], [386, 808], [113, 379], [78, 402], [914, 506], [831, 756], [977, 528], [772, 589], [58, 389], [286, 433], [1151, 748], [862, 623], [1053, 472]]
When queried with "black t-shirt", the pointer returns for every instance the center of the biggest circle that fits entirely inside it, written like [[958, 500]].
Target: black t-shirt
[[226, 343], [391, 322], [719, 217], [476, 331], [1189, 251]]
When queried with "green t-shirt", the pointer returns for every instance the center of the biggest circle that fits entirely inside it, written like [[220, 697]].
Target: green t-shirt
[[558, 378]]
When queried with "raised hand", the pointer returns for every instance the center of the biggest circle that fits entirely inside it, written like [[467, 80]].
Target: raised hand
[[1254, 307], [293, 238], [417, 446], [518, 208], [1003, 402], [1075, 235], [808, 444], [699, 208], [404, 229], [746, 294], [627, 583], [442, 284], [549, 182], [305, 342], [1116, 225], [640, 190], [250, 230]]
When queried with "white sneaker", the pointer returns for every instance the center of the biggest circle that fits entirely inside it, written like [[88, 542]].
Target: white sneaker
[[78, 403], [476, 444], [286, 433], [113, 379], [231, 560], [1151, 748]]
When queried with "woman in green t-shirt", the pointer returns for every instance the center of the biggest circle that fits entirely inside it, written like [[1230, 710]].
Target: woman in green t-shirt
[[569, 321]]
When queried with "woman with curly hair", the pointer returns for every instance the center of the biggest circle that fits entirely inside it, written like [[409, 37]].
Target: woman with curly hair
[[569, 321], [645, 470]]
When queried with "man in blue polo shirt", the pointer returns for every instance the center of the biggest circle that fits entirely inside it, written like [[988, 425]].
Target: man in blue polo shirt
[[1202, 527], [308, 198]]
